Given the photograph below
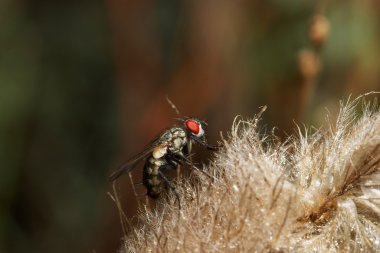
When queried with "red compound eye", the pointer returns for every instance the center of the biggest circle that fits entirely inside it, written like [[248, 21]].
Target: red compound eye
[[193, 126]]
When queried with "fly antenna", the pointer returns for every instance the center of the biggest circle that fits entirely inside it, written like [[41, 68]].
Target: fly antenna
[[173, 106]]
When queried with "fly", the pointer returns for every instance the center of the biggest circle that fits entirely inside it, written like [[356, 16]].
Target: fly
[[170, 149]]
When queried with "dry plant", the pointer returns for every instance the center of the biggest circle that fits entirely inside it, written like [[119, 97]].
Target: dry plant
[[317, 192]]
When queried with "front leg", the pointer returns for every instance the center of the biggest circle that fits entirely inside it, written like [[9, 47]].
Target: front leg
[[205, 144]]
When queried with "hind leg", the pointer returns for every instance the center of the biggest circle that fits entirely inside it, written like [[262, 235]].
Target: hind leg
[[171, 186]]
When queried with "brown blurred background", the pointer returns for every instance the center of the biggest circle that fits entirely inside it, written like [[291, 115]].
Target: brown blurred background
[[83, 86]]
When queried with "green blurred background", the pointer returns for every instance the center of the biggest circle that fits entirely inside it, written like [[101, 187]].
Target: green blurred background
[[83, 86]]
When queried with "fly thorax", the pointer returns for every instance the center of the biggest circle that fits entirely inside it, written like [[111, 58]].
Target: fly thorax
[[177, 145], [178, 140], [178, 132]]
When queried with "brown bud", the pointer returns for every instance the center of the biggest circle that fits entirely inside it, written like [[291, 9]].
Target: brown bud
[[308, 63], [319, 30]]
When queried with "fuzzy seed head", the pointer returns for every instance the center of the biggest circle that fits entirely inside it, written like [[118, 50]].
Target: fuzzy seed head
[[320, 193]]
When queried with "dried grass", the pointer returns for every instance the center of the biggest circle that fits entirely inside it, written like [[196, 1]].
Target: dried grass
[[317, 192]]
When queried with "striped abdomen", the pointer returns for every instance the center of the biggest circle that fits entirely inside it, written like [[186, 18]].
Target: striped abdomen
[[151, 177]]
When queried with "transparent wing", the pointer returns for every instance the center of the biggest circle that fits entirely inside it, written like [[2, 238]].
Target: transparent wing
[[131, 163]]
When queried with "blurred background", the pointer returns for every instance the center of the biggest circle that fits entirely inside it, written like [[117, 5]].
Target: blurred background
[[83, 86]]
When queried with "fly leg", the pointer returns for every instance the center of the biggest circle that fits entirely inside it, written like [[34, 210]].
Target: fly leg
[[205, 144], [184, 160], [169, 184]]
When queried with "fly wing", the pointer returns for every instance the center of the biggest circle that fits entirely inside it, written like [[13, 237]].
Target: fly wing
[[131, 163]]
